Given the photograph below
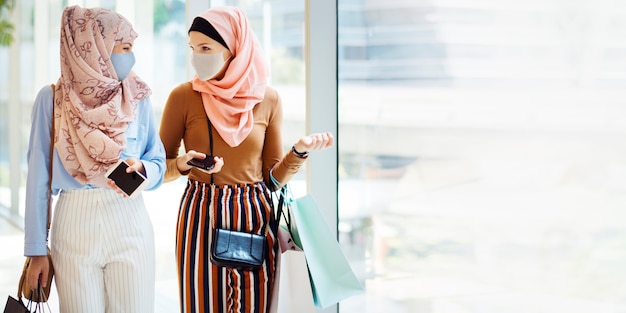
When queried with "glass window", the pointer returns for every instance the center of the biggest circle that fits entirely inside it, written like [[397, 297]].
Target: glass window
[[5, 193], [481, 159]]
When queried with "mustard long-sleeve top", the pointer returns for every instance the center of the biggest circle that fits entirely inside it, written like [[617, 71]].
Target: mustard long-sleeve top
[[184, 122]]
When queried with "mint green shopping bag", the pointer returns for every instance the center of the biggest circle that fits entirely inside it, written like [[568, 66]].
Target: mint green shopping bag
[[332, 279]]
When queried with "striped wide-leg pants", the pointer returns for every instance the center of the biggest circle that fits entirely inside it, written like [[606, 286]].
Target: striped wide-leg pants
[[203, 286], [103, 253]]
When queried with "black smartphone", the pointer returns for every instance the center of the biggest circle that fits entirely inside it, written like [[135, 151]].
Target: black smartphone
[[130, 183], [206, 164]]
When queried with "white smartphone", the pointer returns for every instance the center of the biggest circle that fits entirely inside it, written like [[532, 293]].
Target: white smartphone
[[130, 183]]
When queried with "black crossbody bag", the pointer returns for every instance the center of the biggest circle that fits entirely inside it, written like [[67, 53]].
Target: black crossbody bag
[[236, 249]]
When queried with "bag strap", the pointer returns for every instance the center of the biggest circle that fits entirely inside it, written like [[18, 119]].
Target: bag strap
[[273, 227], [211, 215], [280, 213], [22, 278], [210, 143], [51, 158]]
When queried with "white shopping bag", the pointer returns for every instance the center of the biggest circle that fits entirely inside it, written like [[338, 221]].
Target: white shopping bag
[[295, 295]]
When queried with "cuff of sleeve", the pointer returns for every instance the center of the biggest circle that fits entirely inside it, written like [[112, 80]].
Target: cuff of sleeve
[[35, 249], [151, 171], [172, 172], [293, 162]]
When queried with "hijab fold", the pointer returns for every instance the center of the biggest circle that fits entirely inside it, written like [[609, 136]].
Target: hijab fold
[[228, 102], [92, 107]]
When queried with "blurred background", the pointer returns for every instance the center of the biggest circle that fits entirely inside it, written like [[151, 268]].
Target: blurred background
[[482, 143]]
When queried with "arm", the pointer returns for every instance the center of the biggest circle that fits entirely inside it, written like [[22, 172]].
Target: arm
[[37, 179], [282, 169], [175, 123], [275, 163], [171, 132], [153, 157], [37, 188], [144, 151]]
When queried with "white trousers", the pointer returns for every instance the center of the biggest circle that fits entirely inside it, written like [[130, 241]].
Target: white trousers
[[103, 253]]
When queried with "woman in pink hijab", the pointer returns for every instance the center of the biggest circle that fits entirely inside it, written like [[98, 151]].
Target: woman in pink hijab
[[98, 114], [228, 118]]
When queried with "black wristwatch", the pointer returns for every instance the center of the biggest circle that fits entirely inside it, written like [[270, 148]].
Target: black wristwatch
[[299, 154]]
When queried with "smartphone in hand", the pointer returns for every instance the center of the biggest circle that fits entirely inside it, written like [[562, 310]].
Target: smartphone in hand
[[206, 164], [130, 183]]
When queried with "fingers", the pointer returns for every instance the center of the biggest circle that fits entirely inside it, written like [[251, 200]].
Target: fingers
[[317, 141], [37, 272], [193, 154], [43, 278], [33, 278], [324, 140], [134, 165], [331, 140], [113, 186], [182, 165], [219, 162]]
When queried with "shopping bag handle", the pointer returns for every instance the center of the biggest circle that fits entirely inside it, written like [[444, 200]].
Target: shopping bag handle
[[284, 192]]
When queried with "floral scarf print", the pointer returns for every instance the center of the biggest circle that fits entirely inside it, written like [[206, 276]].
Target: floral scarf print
[[92, 107], [229, 102]]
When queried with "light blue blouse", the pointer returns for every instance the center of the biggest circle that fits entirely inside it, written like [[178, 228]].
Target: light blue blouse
[[143, 142]]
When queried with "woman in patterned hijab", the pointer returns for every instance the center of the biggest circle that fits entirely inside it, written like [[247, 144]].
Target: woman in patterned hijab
[[99, 113], [93, 112]]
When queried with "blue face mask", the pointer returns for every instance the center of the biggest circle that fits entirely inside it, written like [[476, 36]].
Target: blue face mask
[[123, 63]]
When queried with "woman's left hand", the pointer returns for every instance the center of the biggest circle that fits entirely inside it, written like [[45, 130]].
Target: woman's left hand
[[316, 141]]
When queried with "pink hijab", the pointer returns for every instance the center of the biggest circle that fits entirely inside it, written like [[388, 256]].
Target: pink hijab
[[92, 107], [229, 102]]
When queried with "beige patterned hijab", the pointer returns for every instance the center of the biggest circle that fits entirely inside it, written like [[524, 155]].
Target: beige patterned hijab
[[92, 107]]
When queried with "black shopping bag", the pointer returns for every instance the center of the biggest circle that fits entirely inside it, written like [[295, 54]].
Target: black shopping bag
[[15, 306]]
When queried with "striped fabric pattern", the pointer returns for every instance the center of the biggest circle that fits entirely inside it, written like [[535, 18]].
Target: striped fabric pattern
[[204, 287], [103, 252]]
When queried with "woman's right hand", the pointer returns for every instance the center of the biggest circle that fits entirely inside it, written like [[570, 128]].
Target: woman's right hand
[[182, 165], [37, 272]]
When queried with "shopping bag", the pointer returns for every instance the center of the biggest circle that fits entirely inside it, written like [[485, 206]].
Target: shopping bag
[[295, 293], [36, 305], [15, 306], [291, 291], [331, 277]]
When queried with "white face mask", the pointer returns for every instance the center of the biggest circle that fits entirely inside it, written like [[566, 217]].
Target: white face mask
[[207, 65]]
